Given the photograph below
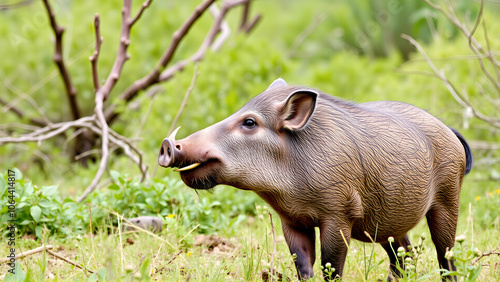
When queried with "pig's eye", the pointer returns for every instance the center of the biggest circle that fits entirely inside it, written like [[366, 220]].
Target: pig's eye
[[249, 123]]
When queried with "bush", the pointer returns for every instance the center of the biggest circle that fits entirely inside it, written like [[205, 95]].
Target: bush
[[166, 198]]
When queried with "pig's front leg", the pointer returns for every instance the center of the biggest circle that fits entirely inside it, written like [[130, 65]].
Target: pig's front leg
[[301, 243], [334, 248]]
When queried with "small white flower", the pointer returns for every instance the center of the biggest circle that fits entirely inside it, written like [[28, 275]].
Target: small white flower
[[477, 252], [460, 238], [423, 237], [390, 239], [328, 265], [449, 255]]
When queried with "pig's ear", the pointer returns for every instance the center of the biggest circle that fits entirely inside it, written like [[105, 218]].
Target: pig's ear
[[298, 109], [277, 83]]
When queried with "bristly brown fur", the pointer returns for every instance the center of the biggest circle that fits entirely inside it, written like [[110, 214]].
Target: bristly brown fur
[[319, 161]]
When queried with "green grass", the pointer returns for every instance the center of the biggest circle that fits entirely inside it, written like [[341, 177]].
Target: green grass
[[173, 255]]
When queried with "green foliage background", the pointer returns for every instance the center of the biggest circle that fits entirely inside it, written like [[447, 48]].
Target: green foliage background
[[353, 52]]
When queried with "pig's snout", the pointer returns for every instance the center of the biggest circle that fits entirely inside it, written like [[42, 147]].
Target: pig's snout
[[171, 151], [167, 152]]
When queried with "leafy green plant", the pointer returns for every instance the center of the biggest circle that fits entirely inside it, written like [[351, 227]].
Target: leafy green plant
[[463, 256], [487, 209], [37, 207]]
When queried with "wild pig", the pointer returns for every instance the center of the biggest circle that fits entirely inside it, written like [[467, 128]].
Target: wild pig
[[350, 169]]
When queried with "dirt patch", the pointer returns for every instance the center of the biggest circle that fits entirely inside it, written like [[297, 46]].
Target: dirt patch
[[266, 276], [214, 243]]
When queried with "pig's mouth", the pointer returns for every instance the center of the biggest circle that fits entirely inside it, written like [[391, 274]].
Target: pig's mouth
[[199, 175], [188, 167]]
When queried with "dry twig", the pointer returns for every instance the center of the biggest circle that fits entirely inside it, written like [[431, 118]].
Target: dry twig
[[480, 54], [459, 97], [29, 253], [493, 252], [184, 101], [69, 261], [271, 269]]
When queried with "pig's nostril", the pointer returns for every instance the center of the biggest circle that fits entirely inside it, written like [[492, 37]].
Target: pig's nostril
[[161, 151], [168, 151]]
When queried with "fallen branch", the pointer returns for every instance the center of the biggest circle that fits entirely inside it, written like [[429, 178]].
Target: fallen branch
[[69, 261], [29, 253], [174, 257]]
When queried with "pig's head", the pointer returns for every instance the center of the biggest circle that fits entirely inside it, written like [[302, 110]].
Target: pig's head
[[251, 149]]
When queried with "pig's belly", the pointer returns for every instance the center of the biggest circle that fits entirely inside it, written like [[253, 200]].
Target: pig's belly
[[384, 223]]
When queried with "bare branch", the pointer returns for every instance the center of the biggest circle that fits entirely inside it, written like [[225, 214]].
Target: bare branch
[[184, 101], [225, 31], [99, 101], [21, 114], [95, 55], [245, 26], [451, 88], [59, 60], [152, 77], [493, 252], [47, 132], [143, 7], [102, 93], [209, 40], [474, 45]]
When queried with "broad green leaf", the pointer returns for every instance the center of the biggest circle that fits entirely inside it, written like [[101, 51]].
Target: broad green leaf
[[19, 174], [102, 273], [25, 222], [44, 203], [38, 232], [116, 176], [49, 190], [36, 213], [17, 276], [3, 186], [113, 187], [28, 190]]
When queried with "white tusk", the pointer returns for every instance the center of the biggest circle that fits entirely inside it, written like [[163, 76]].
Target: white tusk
[[187, 167], [172, 135]]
